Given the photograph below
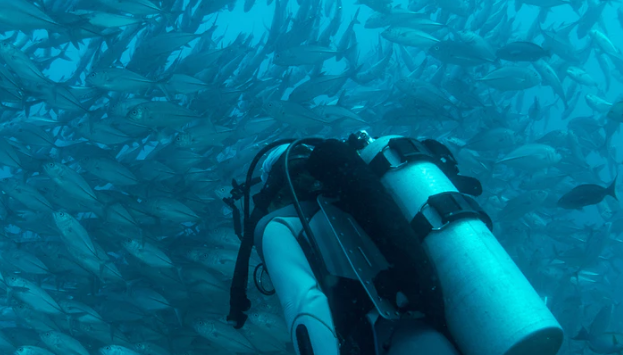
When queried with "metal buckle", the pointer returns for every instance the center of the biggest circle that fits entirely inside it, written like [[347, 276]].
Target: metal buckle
[[431, 215], [442, 209]]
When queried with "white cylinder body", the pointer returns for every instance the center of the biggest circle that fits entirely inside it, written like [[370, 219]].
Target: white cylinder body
[[490, 306]]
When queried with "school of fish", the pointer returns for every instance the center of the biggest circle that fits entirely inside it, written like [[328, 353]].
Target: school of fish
[[115, 239]]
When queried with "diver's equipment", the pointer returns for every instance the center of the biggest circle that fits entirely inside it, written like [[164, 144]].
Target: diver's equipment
[[237, 192], [490, 307], [363, 196], [304, 220], [359, 140], [239, 303], [257, 279]]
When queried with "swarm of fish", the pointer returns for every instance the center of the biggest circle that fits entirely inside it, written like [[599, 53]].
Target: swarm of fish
[[115, 239]]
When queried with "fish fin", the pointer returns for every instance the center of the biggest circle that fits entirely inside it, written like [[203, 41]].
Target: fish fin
[[170, 16], [582, 335], [152, 21], [9, 294], [341, 98], [129, 286], [64, 56], [355, 21], [112, 332], [353, 70], [611, 190], [163, 87], [507, 159], [73, 38], [20, 289], [347, 52]]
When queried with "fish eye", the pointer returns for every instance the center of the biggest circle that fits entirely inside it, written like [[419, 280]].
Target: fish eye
[[51, 164], [436, 48]]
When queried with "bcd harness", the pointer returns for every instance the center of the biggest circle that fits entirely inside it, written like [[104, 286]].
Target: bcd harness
[[438, 212]]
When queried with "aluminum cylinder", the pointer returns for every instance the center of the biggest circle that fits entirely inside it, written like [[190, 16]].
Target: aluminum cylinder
[[490, 306]]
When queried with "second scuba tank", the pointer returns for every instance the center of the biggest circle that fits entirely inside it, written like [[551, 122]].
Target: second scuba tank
[[490, 306]]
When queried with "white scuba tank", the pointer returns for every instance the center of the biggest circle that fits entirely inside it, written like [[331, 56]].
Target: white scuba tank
[[490, 306]]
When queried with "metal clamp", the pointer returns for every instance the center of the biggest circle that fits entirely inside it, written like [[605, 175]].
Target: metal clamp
[[442, 209]]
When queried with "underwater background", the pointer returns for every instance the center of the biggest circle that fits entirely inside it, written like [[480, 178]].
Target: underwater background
[[124, 122]]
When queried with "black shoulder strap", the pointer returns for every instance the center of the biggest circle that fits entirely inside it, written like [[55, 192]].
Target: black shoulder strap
[[238, 301]]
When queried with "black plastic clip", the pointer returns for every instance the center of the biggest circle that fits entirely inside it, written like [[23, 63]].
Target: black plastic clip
[[237, 192]]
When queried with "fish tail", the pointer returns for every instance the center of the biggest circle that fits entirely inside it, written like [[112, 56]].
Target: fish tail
[[347, 52], [152, 21], [64, 56], [28, 104], [130, 284], [355, 20], [611, 190], [353, 70], [582, 335]]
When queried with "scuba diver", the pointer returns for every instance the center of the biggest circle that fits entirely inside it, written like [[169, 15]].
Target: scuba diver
[[376, 246]]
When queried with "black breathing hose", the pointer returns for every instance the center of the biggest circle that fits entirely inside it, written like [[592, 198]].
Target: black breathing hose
[[297, 205]]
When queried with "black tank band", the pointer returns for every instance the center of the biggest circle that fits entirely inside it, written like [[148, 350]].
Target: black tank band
[[442, 209], [409, 149]]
